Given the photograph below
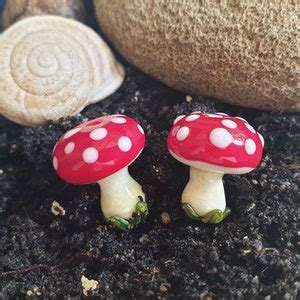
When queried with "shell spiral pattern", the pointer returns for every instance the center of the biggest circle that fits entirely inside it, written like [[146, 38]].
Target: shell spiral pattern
[[53, 67]]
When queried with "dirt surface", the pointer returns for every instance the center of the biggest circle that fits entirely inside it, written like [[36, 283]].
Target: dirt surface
[[46, 255]]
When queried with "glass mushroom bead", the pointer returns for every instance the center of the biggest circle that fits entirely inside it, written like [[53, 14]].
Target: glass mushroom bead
[[100, 151], [212, 145]]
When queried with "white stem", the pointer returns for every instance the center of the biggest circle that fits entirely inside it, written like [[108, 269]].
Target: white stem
[[119, 194], [204, 191]]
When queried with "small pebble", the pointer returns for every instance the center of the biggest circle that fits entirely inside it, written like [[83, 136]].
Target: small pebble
[[296, 175], [88, 285], [255, 280], [283, 187], [246, 251], [165, 218], [252, 205], [188, 99], [143, 238], [34, 291], [12, 149], [287, 296], [164, 287], [150, 293], [205, 296], [57, 209]]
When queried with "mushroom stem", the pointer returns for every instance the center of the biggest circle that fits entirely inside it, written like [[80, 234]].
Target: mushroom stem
[[120, 194], [204, 191]]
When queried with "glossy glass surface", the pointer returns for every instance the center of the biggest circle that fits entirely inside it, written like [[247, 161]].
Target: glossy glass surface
[[216, 139], [86, 154]]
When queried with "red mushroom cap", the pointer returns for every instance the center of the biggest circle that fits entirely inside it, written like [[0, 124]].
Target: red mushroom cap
[[98, 148], [215, 142]]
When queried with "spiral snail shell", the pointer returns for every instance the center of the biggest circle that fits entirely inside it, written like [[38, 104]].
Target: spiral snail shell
[[53, 67]]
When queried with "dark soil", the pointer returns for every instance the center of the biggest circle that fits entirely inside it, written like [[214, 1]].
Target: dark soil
[[253, 253]]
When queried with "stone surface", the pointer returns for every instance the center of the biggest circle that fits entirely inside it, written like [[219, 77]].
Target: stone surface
[[244, 52]]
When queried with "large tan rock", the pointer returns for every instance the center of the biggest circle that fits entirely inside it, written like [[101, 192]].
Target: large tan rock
[[243, 52]]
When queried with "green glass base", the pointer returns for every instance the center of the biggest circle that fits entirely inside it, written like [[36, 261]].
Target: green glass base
[[139, 215], [213, 217]]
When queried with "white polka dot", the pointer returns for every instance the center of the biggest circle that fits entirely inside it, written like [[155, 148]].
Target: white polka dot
[[241, 119], [250, 127], [229, 123], [222, 114], [72, 132], [192, 118], [118, 120], [197, 112], [220, 138], [124, 143], [140, 128], [90, 155], [178, 119], [214, 116], [98, 134], [250, 146], [261, 139], [69, 148], [55, 163], [182, 133]]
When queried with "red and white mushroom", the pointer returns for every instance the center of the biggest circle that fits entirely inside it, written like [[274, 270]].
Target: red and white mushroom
[[100, 151], [212, 145]]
